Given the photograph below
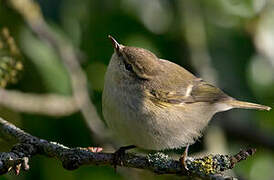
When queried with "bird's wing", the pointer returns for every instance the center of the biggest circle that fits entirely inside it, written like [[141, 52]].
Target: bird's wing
[[199, 91], [205, 92], [182, 87]]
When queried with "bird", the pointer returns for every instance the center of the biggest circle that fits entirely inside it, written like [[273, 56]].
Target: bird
[[155, 104]]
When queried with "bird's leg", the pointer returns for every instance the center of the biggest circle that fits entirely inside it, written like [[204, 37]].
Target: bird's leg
[[119, 154], [184, 157], [93, 149]]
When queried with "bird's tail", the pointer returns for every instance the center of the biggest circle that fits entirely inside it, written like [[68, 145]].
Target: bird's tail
[[247, 105]]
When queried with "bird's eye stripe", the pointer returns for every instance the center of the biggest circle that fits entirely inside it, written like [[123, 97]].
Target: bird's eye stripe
[[128, 66]]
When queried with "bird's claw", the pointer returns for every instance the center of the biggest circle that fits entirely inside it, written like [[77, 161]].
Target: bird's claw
[[93, 149], [118, 155]]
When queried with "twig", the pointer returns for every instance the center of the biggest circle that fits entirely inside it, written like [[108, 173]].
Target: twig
[[46, 104], [31, 12], [10, 66], [207, 167]]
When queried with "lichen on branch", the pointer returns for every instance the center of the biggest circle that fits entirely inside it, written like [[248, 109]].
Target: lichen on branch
[[207, 167]]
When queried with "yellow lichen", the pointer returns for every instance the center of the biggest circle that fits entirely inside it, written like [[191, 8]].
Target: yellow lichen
[[205, 165]]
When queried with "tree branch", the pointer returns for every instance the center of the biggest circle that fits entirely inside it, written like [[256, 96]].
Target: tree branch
[[207, 167], [46, 104], [31, 12], [10, 68]]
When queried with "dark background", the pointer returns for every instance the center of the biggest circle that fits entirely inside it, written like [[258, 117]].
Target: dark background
[[229, 43]]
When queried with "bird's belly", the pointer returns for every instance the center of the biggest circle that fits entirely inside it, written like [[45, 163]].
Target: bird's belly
[[162, 128]]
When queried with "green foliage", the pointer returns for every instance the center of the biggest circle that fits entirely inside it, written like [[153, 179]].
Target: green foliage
[[10, 59], [239, 38]]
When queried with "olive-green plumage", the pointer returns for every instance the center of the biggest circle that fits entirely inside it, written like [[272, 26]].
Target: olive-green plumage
[[155, 104]]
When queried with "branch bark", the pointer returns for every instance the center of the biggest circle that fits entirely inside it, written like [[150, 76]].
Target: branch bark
[[207, 167]]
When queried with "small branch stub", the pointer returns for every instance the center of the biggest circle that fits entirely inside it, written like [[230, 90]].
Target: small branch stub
[[28, 146]]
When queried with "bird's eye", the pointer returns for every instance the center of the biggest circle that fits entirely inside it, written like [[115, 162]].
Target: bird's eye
[[128, 66]]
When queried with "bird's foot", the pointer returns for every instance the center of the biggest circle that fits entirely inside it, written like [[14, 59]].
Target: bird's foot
[[93, 149], [184, 158], [119, 154]]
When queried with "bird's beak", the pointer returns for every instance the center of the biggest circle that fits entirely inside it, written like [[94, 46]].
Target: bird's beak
[[115, 45]]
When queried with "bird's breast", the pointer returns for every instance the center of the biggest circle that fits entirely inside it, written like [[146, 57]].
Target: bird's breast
[[136, 120]]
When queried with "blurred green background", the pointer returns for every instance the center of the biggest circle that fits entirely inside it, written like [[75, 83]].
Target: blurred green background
[[229, 43]]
